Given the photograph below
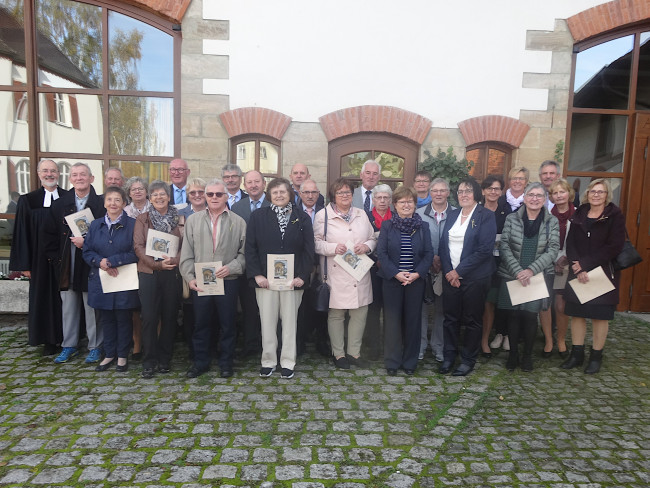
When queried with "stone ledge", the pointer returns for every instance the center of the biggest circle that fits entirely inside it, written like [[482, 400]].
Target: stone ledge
[[14, 296]]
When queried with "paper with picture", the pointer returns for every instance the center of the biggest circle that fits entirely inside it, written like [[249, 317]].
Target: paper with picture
[[356, 265], [126, 279], [79, 222], [206, 279], [160, 244], [279, 271]]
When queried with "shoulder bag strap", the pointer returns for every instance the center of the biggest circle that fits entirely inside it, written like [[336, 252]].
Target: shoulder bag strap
[[325, 239]]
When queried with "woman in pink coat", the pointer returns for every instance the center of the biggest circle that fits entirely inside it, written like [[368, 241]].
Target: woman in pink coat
[[345, 223]]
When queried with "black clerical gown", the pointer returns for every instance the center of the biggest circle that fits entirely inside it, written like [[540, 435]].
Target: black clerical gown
[[27, 255]]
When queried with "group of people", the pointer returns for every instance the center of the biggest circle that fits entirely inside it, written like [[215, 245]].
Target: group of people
[[433, 268]]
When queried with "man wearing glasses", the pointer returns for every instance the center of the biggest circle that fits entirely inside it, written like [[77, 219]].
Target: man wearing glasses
[[28, 256], [299, 175], [178, 174], [231, 175]]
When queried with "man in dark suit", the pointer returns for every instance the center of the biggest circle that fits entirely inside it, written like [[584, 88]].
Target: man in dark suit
[[309, 320], [63, 250], [28, 256], [299, 174], [254, 183], [231, 175], [178, 174], [13, 204], [370, 174]]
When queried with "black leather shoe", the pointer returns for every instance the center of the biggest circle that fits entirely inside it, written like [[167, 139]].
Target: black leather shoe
[[547, 354], [193, 372], [136, 356], [50, 349], [391, 371], [164, 368], [122, 368], [486, 355], [462, 370], [104, 367], [148, 373], [226, 373], [409, 372], [445, 367]]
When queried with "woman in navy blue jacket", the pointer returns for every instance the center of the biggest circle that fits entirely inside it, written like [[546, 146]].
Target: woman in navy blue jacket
[[108, 245], [465, 251], [404, 254]]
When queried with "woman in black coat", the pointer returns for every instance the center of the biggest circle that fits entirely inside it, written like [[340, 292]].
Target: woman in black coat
[[595, 238]]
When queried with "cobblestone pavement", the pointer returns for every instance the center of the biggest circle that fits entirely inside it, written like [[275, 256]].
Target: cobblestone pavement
[[67, 425]]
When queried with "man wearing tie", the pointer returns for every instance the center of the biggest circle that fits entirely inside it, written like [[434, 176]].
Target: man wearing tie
[[178, 174], [231, 176], [370, 174], [28, 256], [255, 184]]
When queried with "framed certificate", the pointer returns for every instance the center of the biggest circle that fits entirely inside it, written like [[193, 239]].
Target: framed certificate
[[279, 271], [160, 244], [79, 222], [206, 279], [356, 265]]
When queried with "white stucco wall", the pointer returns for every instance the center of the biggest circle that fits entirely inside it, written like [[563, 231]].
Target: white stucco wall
[[447, 61]]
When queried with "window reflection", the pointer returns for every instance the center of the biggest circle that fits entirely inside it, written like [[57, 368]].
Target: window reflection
[[12, 34], [246, 155], [597, 142], [71, 123], [643, 80], [141, 57], [351, 163], [14, 131], [149, 170], [268, 158], [602, 76], [141, 125], [69, 43]]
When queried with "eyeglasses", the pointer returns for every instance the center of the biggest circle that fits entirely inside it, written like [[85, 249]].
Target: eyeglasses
[[177, 170], [383, 197], [159, 195], [597, 193], [217, 194], [343, 193], [405, 202], [309, 192], [536, 196], [518, 178], [439, 192], [230, 177], [493, 188], [422, 181], [137, 190], [465, 192], [196, 192]]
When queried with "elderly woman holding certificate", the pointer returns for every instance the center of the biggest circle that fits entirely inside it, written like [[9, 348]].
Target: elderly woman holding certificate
[[596, 237], [160, 280], [109, 245], [279, 259], [337, 226], [213, 243], [529, 245], [405, 254]]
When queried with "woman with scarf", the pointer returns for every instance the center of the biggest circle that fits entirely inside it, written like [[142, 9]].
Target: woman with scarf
[[160, 281], [345, 223], [562, 195], [281, 228], [405, 254], [466, 255], [529, 245]]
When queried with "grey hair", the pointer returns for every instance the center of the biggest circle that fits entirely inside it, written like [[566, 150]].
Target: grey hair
[[536, 184], [157, 185], [439, 181], [216, 181], [370, 161], [198, 182], [135, 179], [38, 166], [383, 188], [308, 181], [231, 167], [76, 165], [113, 168], [549, 162]]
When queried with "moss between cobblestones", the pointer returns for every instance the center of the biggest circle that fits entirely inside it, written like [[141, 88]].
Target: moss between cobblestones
[[356, 428]]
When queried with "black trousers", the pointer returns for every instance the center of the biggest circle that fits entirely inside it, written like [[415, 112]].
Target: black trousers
[[372, 337], [160, 296], [521, 324], [252, 328], [464, 306], [402, 323]]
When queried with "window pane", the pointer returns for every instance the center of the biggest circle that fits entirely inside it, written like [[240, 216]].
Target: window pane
[[496, 162], [268, 158], [141, 126], [141, 57], [643, 82], [392, 166], [15, 172], [351, 163], [14, 131], [475, 156], [69, 44], [149, 170], [597, 142], [246, 155], [71, 123], [582, 183], [12, 39], [603, 75]]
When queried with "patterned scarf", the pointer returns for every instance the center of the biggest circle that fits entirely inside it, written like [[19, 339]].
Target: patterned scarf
[[164, 223], [283, 214], [514, 202], [407, 225], [563, 219], [345, 216]]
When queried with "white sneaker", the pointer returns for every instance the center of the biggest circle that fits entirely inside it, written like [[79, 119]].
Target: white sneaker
[[496, 342], [421, 356], [506, 344]]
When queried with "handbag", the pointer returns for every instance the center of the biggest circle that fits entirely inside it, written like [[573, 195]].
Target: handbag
[[320, 290], [628, 256]]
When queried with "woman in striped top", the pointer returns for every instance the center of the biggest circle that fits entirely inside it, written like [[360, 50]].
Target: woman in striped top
[[405, 254]]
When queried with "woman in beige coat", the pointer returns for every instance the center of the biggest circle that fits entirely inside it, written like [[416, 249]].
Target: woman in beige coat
[[344, 224]]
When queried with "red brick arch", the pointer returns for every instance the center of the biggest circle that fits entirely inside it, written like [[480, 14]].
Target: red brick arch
[[172, 10], [607, 17], [255, 120], [375, 118], [495, 128]]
